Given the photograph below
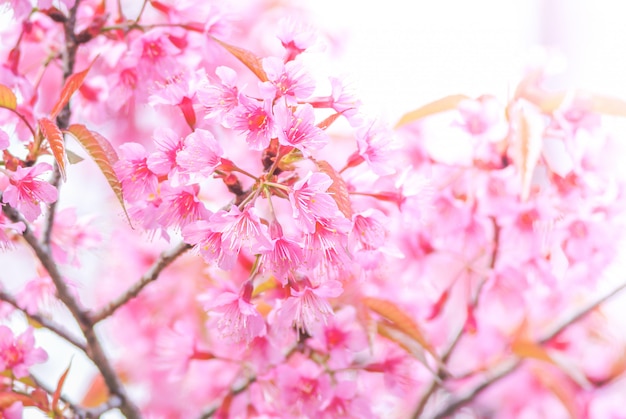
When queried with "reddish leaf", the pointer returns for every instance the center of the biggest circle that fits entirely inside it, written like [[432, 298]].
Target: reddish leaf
[[438, 306], [328, 121], [470, 321], [400, 320], [57, 143], [103, 154], [447, 103], [247, 58], [7, 98], [186, 106], [57, 392], [338, 190], [40, 399], [8, 398], [72, 84], [160, 6]]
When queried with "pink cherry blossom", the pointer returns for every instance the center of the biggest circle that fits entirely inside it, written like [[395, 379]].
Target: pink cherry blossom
[[239, 320], [200, 154], [14, 411], [254, 118], [4, 140], [180, 206], [308, 304], [219, 98], [284, 255], [310, 201], [138, 181], [297, 129], [289, 80], [26, 193], [241, 229], [168, 144], [6, 226], [208, 242], [18, 353], [295, 38]]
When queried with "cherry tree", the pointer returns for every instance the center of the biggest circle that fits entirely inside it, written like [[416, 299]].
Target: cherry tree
[[219, 229]]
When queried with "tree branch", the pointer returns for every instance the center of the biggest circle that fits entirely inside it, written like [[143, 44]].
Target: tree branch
[[94, 348], [510, 365], [151, 275], [447, 353], [48, 324]]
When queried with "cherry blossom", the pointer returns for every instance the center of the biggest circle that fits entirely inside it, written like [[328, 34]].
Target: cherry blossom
[[18, 353]]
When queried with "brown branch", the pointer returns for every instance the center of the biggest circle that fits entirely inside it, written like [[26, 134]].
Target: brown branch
[[46, 323], [94, 348], [499, 372], [447, 353], [510, 365], [151, 275]]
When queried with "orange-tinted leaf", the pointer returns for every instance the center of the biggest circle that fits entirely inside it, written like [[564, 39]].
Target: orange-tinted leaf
[[7, 398], [57, 392], [7, 98], [528, 349], [328, 121], [338, 190], [72, 84], [97, 393], [57, 143], [103, 153], [608, 105], [249, 59], [447, 103], [400, 320]]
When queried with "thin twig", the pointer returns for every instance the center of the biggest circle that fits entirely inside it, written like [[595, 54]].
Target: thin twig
[[94, 348], [510, 365], [47, 323], [151, 275], [447, 353]]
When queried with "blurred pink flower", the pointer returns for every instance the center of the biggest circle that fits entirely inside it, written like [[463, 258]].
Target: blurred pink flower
[[19, 353]]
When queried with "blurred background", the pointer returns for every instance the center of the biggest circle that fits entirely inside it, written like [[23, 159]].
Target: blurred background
[[405, 53], [402, 54]]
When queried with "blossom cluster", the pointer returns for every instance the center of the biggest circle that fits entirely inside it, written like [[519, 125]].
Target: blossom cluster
[[275, 251]]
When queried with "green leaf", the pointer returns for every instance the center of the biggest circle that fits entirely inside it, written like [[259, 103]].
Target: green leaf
[[338, 190], [103, 154], [248, 58], [56, 141], [447, 103], [72, 84], [7, 98]]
